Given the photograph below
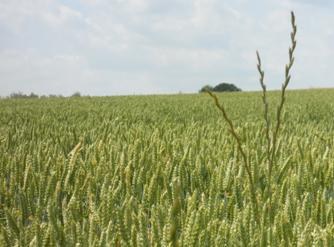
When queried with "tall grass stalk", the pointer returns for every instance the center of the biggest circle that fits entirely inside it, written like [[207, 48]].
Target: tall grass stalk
[[246, 161], [271, 139]]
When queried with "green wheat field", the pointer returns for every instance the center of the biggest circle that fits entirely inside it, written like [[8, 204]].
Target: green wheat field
[[165, 171]]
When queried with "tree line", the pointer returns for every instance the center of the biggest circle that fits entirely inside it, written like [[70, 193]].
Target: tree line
[[20, 95], [222, 87]]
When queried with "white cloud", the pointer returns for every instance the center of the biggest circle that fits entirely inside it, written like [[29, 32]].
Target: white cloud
[[117, 46], [61, 15]]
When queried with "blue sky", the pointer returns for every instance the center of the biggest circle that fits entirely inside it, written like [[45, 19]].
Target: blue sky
[[112, 47]]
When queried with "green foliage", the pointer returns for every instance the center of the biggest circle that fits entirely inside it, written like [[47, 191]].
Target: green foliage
[[206, 88], [20, 95], [76, 94], [222, 87], [226, 87]]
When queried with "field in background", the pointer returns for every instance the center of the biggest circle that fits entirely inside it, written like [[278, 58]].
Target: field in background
[[163, 170]]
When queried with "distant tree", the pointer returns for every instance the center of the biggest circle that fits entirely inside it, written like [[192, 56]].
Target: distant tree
[[20, 95], [76, 94], [206, 88], [226, 87], [33, 95], [55, 96], [222, 87], [17, 95]]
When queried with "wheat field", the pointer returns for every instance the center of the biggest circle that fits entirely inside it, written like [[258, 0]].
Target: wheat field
[[165, 171]]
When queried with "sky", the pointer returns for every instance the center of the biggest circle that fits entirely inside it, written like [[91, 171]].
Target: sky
[[117, 47]]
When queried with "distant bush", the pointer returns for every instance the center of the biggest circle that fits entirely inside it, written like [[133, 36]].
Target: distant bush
[[55, 96], [222, 87], [33, 95], [226, 87], [20, 95], [206, 88], [76, 94]]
